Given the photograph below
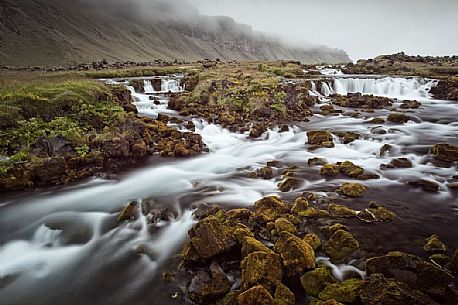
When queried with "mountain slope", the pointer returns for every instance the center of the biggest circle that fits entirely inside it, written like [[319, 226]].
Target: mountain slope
[[52, 32]]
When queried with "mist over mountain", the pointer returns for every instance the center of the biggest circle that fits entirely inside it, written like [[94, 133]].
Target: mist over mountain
[[50, 32]]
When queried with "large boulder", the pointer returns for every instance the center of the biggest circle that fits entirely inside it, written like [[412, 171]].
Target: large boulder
[[284, 296], [340, 245], [209, 237], [378, 290], [445, 152], [261, 268], [268, 209], [351, 170], [411, 270], [250, 245], [297, 255], [207, 287]]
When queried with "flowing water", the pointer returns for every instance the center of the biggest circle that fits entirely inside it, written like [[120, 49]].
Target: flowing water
[[64, 245]]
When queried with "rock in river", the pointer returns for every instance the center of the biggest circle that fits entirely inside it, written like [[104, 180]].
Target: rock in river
[[296, 254]]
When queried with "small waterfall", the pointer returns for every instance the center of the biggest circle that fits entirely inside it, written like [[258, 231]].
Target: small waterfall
[[148, 86], [326, 90], [167, 85], [406, 88]]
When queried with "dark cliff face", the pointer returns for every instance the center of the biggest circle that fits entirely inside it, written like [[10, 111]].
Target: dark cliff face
[[50, 32]]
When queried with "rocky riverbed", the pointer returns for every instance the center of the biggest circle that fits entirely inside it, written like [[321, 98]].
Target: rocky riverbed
[[306, 188]]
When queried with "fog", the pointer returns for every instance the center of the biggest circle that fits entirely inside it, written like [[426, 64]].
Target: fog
[[363, 28]]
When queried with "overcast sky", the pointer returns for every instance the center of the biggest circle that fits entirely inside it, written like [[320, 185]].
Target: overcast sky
[[363, 28]]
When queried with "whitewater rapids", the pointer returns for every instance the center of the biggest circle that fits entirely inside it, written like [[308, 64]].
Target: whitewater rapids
[[63, 244]]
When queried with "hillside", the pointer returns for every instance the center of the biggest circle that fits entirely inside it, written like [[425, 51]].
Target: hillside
[[58, 32]]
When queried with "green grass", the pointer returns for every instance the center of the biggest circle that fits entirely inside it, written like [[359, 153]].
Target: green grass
[[73, 109]]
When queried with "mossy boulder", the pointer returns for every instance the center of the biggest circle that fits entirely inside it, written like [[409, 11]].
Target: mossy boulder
[[351, 170], [375, 213], [411, 270], [269, 209], [265, 172], [313, 240], [348, 137], [207, 287], [341, 210], [434, 244], [378, 290], [340, 245], [353, 189], [261, 268], [257, 295], [282, 224], [251, 245], [241, 231], [397, 117], [330, 170], [445, 152], [316, 280], [210, 237], [284, 296], [189, 253], [345, 292], [319, 139], [300, 204], [297, 255], [288, 184]]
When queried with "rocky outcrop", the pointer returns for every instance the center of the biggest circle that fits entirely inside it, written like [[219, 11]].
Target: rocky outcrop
[[411, 270]]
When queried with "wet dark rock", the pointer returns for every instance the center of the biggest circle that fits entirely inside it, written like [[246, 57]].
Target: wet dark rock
[[410, 105], [454, 263], [139, 149], [440, 259], [358, 100], [376, 121], [269, 208], [257, 295], [257, 130], [384, 149], [163, 214], [378, 290], [296, 254], [340, 245], [426, 185], [261, 268], [445, 152], [316, 161], [207, 287], [401, 163], [434, 244], [314, 282], [49, 171], [209, 237], [345, 292], [411, 270], [368, 176]]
